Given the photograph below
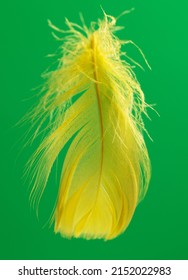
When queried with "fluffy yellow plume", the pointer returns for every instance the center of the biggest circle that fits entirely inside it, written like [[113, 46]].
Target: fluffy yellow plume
[[94, 102]]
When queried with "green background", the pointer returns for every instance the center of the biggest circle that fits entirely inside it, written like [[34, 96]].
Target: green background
[[159, 229]]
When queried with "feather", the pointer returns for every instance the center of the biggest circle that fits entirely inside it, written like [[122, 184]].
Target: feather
[[94, 102]]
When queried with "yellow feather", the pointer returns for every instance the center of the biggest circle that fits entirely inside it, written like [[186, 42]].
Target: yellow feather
[[94, 101]]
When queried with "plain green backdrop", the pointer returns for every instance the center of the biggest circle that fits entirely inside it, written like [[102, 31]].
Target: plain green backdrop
[[159, 229]]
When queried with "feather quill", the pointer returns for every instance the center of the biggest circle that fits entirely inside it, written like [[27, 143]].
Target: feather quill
[[93, 101]]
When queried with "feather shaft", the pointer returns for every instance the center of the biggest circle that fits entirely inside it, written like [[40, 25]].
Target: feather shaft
[[99, 102]]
